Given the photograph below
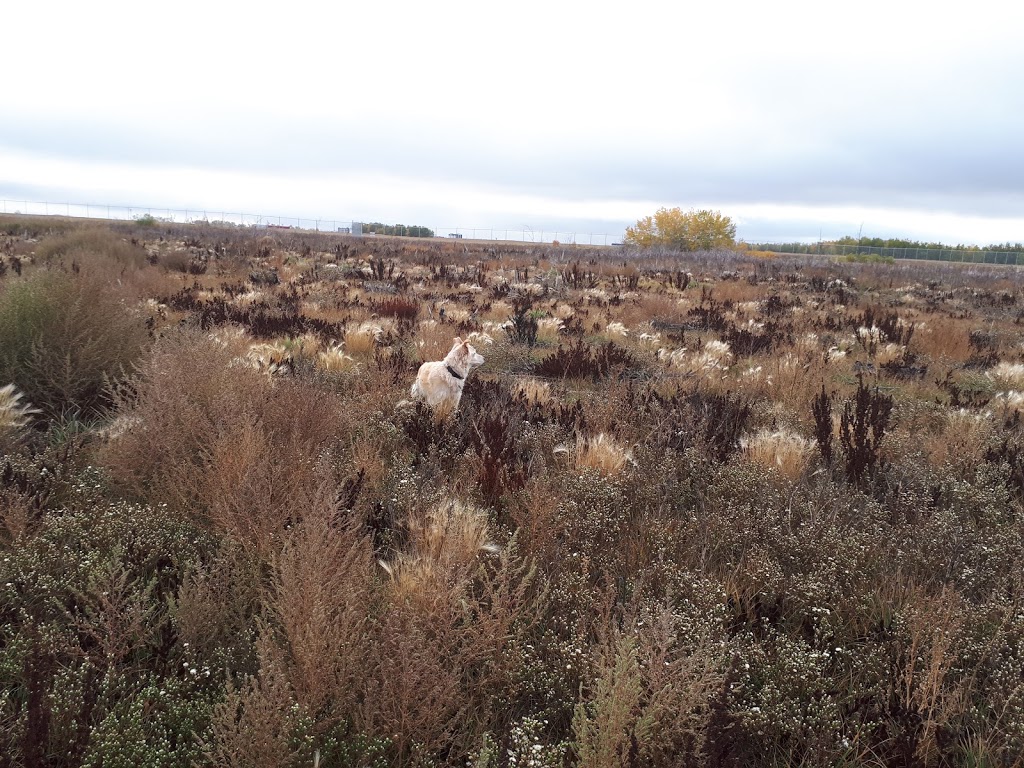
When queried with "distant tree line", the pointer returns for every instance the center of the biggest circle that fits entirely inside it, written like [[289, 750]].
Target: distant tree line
[[880, 242], [400, 230]]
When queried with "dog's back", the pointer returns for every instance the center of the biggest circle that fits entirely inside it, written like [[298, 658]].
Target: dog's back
[[434, 385], [439, 384]]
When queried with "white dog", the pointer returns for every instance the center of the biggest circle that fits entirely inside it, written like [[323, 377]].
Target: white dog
[[440, 384]]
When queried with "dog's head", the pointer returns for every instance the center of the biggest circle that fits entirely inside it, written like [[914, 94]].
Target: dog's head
[[465, 356]]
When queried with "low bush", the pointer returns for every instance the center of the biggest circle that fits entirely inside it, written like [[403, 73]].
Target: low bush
[[216, 440], [522, 327], [64, 338], [91, 244], [90, 667], [581, 361]]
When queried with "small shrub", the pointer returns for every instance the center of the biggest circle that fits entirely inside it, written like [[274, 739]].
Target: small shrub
[[495, 425], [64, 337], [885, 326], [323, 589], [393, 363], [821, 409], [580, 361], [153, 722], [648, 701], [724, 418], [224, 443], [399, 307], [864, 422], [88, 646], [745, 342], [523, 325]]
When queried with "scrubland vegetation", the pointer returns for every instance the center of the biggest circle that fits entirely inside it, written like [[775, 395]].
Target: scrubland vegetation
[[701, 509]]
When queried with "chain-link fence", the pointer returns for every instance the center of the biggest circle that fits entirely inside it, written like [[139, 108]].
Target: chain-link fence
[[254, 220], [963, 256], [353, 226]]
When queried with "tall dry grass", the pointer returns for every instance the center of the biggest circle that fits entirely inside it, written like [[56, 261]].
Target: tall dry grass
[[84, 244], [224, 443], [65, 337], [324, 595]]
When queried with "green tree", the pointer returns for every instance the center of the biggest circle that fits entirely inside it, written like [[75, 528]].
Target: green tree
[[686, 230], [400, 230]]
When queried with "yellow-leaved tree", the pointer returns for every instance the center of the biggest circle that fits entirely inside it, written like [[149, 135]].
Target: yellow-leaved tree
[[686, 230]]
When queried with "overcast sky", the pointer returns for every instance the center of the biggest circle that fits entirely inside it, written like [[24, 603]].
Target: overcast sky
[[895, 119]]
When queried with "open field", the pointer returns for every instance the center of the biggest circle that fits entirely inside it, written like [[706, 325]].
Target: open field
[[695, 509]]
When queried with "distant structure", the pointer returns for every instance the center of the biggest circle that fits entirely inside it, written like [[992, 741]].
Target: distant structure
[[345, 230], [357, 228], [456, 236]]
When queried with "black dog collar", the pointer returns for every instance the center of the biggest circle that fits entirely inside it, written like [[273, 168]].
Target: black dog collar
[[453, 372]]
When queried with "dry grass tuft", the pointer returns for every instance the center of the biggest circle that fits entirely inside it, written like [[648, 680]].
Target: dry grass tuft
[[1007, 376], [335, 360], [549, 330], [962, 439], [1008, 404], [433, 340], [534, 390], [786, 451], [443, 545], [363, 338], [272, 358], [712, 357], [14, 414], [602, 453]]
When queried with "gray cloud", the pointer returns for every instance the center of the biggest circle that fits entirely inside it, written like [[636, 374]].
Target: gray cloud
[[966, 170], [962, 161]]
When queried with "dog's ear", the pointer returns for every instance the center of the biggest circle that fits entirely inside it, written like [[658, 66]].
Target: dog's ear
[[457, 342]]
